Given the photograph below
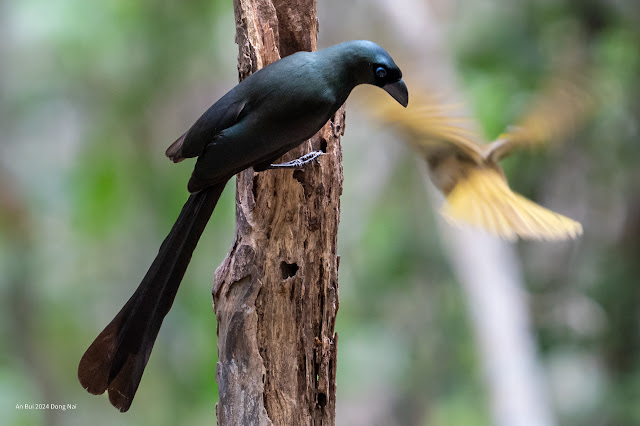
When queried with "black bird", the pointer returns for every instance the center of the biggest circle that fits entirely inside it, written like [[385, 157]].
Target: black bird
[[255, 123]]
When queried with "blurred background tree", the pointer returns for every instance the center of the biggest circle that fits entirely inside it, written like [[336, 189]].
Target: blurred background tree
[[92, 94]]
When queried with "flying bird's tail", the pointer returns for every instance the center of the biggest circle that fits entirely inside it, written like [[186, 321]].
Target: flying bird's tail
[[483, 199], [116, 359]]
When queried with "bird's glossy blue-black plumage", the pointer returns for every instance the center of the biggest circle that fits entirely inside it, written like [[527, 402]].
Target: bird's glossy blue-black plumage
[[269, 113], [278, 107]]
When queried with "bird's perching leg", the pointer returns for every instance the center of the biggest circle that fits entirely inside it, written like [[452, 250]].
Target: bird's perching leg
[[298, 162]]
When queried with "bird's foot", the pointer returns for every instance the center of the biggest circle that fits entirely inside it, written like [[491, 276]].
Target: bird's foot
[[298, 162]]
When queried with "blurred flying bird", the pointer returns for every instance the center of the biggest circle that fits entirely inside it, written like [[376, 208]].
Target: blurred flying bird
[[467, 172], [269, 113]]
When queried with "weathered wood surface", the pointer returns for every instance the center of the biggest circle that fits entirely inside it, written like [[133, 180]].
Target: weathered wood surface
[[276, 293]]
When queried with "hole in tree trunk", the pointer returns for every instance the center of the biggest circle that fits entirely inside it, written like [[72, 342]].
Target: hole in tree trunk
[[323, 145], [288, 269], [322, 399]]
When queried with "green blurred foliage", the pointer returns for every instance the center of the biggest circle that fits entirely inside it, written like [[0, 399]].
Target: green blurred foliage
[[91, 93]]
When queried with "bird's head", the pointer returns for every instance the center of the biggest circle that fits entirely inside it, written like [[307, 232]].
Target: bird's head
[[371, 64]]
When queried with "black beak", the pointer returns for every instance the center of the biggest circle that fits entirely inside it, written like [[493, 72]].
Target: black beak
[[398, 91]]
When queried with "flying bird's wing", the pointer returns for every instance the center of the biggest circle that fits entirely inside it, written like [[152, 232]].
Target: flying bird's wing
[[483, 199], [556, 113], [474, 186], [434, 128]]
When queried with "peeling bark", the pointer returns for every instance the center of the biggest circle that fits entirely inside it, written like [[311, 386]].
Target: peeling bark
[[276, 293]]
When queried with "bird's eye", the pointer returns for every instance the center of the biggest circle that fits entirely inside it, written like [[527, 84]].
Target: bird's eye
[[381, 72]]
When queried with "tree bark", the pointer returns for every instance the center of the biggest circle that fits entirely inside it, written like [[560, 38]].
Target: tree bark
[[275, 295]]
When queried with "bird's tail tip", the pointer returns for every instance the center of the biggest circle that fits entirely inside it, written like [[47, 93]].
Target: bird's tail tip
[[174, 151], [484, 200]]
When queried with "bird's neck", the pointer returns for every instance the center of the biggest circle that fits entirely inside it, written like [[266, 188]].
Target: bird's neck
[[347, 67]]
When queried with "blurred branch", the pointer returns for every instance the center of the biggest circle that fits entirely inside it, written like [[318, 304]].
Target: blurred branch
[[486, 267]]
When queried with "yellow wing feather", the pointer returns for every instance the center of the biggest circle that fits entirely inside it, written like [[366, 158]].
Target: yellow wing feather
[[432, 126], [476, 192], [483, 199], [556, 113]]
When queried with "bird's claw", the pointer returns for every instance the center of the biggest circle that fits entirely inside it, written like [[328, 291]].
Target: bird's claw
[[298, 162]]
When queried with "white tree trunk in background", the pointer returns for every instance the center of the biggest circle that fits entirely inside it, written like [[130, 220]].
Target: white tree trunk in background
[[486, 267]]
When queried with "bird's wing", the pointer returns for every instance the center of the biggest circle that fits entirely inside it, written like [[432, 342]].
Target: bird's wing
[[556, 113], [433, 128], [484, 200], [223, 114]]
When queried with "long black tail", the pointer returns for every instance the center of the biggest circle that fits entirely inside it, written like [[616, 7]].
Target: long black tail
[[116, 360]]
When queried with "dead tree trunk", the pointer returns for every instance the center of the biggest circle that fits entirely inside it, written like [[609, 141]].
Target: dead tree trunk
[[276, 294]]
